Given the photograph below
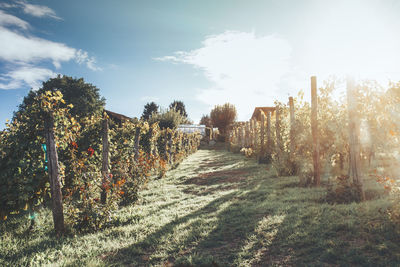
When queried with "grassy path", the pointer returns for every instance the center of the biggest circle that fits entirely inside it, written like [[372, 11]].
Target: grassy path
[[221, 209]]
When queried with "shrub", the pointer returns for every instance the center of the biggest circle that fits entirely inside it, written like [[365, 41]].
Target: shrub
[[223, 116]]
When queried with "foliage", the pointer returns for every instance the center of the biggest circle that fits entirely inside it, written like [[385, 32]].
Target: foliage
[[179, 106], [169, 118], [24, 183], [344, 191], [23, 180], [84, 97], [223, 116], [205, 120], [149, 109]]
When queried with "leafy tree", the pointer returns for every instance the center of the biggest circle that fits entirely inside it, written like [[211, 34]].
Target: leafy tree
[[84, 97], [205, 120], [179, 106], [223, 116], [149, 109]]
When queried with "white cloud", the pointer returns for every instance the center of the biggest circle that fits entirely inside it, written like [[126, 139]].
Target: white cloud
[[10, 20], [23, 52], [83, 57], [30, 75], [245, 69], [28, 49], [38, 10]]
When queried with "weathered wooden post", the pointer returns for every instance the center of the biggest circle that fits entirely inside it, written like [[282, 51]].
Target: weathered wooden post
[[278, 133], [137, 142], [314, 130], [105, 160], [243, 136], [354, 137], [255, 135], [54, 175], [292, 125], [250, 133], [170, 144], [262, 137], [269, 135], [247, 131]]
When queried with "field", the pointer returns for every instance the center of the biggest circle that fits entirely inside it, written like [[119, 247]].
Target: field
[[222, 209]]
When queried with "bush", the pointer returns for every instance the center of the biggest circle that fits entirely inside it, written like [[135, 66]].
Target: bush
[[343, 191], [222, 117], [170, 118]]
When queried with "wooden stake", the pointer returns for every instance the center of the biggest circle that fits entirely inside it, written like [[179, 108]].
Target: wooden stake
[[269, 136], [54, 175], [292, 122], [314, 130], [137, 142], [105, 160], [262, 137], [354, 137], [278, 132]]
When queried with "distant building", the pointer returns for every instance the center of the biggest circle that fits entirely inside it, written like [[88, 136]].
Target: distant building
[[192, 128], [257, 112], [118, 118]]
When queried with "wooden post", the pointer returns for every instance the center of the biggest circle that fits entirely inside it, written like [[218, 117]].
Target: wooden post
[[354, 137], [247, 130], [105, 160], [54, 175], [262, 137], [292, 122], [278, 133], [256, 135], [253, 133], [314, 130], [170, 148], [136, 146], [243, 134], [269, 136]]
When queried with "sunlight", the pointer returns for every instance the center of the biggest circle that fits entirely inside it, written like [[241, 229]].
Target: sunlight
[[353, 38]]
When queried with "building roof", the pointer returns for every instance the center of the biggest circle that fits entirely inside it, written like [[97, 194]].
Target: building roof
[[257, 110], [117, 116]]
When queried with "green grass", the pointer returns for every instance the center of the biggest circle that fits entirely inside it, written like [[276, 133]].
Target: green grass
[[221, 209]]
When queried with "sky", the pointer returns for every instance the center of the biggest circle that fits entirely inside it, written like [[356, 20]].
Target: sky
[[204, 53]]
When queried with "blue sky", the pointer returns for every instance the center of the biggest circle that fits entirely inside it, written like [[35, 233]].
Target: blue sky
[[204, 53]]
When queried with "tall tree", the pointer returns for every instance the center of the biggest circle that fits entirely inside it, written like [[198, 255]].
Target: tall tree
[[179, 106], [149, 109], [84, 97], [223, 116], [205, 120]]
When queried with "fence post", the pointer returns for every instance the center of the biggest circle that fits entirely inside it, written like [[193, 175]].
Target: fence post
[[137, 141], [354, 137], [314, 130], [247, 130], [269, 136], [278, 133], [262, 138], [105, 160], [292, 125], [54, 175], [253, 133]]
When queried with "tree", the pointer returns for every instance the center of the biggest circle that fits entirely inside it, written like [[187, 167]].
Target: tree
[[149, 109], [179, 106], [205, 120], [223, 116], [84, 97], [170, 118]]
